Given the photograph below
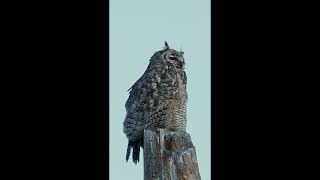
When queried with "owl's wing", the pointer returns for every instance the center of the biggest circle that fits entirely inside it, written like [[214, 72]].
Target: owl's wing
[[160, 80], [149, 99]]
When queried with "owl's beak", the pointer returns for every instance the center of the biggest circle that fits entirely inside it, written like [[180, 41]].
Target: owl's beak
[[181, 63]]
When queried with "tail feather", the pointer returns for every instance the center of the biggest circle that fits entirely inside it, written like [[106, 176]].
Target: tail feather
[[128, 151], [136, 154], [135, 145]]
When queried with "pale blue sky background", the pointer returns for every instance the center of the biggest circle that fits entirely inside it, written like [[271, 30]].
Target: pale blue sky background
[[138, 28]]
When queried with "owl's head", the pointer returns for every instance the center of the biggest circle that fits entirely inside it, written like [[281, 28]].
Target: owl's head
[[172, 56]]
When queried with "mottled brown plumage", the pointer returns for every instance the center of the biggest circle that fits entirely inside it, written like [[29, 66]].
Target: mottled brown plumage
[[158, 99]]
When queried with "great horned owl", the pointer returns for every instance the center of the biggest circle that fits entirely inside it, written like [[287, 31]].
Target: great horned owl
[[157, 100]]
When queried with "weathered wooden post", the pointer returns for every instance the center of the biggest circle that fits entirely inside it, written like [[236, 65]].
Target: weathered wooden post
[[169, 155]]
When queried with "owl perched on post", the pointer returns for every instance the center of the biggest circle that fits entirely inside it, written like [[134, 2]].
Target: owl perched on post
[[157, 99]]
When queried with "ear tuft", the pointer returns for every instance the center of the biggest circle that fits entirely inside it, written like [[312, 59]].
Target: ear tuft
[[166, 45]]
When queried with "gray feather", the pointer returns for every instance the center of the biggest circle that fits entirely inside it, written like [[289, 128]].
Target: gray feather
[[158, 98]]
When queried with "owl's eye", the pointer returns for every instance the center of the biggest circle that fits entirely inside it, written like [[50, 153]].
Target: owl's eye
[[173, 58]]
